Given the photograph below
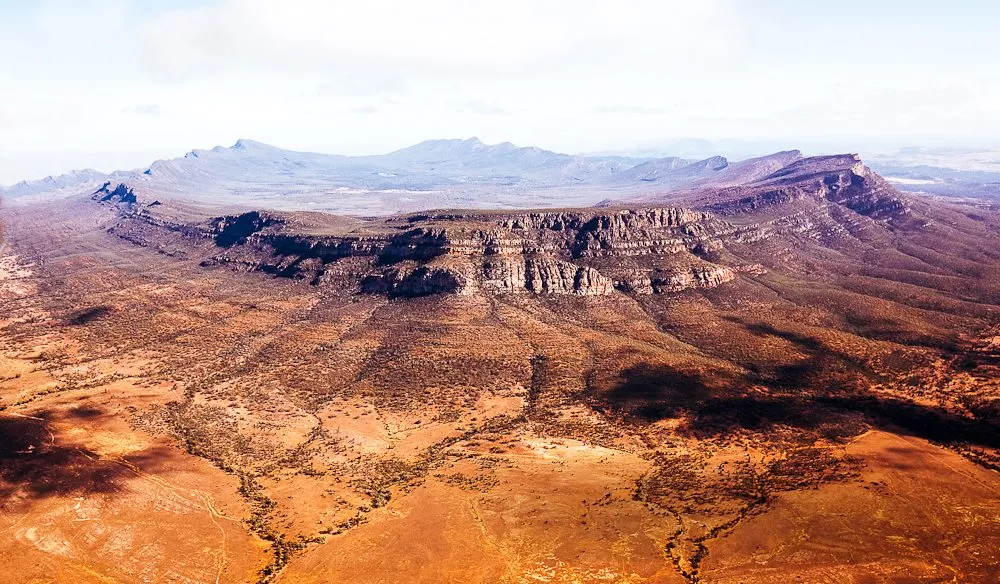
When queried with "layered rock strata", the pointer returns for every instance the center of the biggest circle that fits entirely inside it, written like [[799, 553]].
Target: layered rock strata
[[586, 253]]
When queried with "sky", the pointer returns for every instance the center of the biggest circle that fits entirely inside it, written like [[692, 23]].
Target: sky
[[115, 84]]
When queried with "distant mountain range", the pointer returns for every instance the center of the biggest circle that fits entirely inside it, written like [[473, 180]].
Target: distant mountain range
[[53, 183], [972, 173], [433, 174]]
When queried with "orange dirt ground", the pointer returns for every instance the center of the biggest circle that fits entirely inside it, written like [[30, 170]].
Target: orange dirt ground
[[162, 422]]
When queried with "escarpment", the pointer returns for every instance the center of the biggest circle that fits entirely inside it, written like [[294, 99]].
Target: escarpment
[[679, 279], [763, 212], [543, 275], [842, 180], [804, 207], [584, 253]]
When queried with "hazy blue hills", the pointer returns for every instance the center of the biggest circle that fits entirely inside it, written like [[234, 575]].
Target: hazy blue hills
[[458, 173]]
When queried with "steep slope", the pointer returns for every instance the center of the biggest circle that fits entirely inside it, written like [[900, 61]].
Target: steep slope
[[753, 169], [818, 187], [678, 174], [580, 252]]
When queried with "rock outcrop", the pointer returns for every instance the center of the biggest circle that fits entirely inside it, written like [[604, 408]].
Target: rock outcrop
[[414, 282], [677, 280], [585, 253], [543, 276], [121, 193]]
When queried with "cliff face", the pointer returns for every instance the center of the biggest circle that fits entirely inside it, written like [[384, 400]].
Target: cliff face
[[585, 253], [409, 282], [543, 276], [678, 280]]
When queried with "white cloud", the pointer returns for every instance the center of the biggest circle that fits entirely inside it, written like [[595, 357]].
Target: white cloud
[[629, 109], [430, 36], [477, 106], [365, 109], [151, 109]]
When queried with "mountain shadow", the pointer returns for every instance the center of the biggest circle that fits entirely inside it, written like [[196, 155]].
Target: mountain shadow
[[713, 407], [34, 464]]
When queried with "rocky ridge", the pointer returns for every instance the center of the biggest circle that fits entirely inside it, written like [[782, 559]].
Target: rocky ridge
[[651, 247], [588, 252], [841, 180]]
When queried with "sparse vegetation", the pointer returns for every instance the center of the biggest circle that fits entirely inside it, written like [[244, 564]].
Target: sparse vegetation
[[519, 420]]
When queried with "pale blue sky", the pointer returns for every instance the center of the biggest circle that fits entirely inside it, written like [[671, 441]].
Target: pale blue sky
[[116, 83]]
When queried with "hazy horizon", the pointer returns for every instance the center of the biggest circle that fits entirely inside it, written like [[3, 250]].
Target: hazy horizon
[[116, 84], [691, 148]]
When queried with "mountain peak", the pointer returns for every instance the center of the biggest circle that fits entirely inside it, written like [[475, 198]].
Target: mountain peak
[[445, 148], [472, 142], [245, 144]]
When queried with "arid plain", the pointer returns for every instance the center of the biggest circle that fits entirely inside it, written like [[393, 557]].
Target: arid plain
[[807, 391]]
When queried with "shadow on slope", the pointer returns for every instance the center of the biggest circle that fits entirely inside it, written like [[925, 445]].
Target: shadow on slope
[[34, 464], [823, 395]]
